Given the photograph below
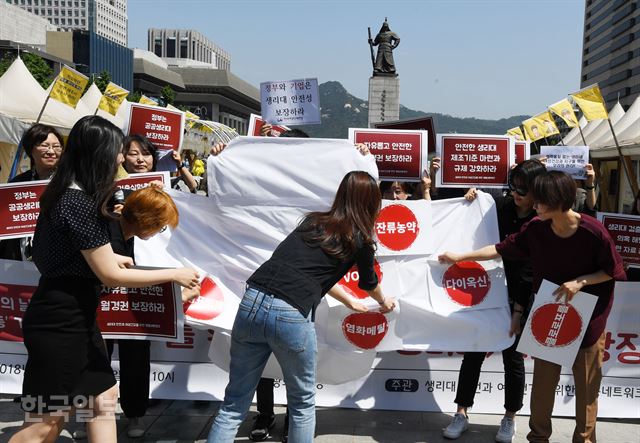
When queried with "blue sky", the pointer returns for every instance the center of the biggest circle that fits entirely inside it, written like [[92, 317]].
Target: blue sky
[[468, 58]]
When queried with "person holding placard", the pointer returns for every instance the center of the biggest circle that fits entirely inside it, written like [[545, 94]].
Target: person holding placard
[[276, 313], [67, 366], [575, 252], [513, 212]]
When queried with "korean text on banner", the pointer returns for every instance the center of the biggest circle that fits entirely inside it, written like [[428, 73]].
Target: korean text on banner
[[291, 102], [256, 123], [554, 330], [112, 98], [144, 179], [625, 232], [400, 154], [19, 208], [569, 159], [163, 127], [564, 110], [474, 160], [591, 103], [69, 86]]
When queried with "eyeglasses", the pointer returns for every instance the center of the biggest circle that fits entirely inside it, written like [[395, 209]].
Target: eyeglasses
[[164, 228], [521, 191], [44, 147]]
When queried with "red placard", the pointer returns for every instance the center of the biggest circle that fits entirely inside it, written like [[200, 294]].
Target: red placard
[[625, 232], [142, 180], [474, 160], [163, 127], [556, 324], [209, 304], [145, 313], [256, 123], [397, 227], [466, 283], [14, 300], [398, 153], [420, 123], [365, 330], [522, 151], [19, 208]]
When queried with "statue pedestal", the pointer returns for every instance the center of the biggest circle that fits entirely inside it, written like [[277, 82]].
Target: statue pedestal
[[384, 99]]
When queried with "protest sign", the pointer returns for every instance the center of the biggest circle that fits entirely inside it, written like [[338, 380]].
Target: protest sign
[[420, 123], [404, 227], [19, 208], [255, 126], [144, 179], [523, 151], [163, 127], [69, 86], [291, 102], [625, 232], [112, 98], [400, 154], [569, 159], [474, 160], [150, 313], [554, 330]]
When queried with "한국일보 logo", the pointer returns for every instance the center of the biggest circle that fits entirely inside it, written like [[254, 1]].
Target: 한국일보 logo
[[397, 227], [466, 283], [351, 279], [365, 330], [209, 304], [556, 324]]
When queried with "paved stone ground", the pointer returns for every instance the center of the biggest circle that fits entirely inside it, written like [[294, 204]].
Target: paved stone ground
[[189, 421]]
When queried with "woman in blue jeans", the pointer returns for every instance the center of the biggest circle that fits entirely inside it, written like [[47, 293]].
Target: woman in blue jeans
[[277, 311]]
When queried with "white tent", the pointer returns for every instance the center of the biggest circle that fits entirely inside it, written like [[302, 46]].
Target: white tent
[[630, 118], [573, 137], [616, 113]]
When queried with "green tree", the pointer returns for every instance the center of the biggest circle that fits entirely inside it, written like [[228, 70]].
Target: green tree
[[134, 97], [102, 80], [167, 95], [36, 65]]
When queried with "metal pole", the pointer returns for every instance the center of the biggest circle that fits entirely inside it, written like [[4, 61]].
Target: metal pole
[[626, 161]]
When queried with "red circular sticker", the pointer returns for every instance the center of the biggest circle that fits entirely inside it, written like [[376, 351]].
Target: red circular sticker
[[209, 304], [397, 227], [350, 281], [556, 324], [365, 330], [467, 283]]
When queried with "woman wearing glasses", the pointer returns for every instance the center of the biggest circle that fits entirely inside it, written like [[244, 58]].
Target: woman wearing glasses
[[43, 144], [514, 211]]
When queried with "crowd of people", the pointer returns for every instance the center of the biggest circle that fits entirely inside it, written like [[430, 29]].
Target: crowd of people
[[84, 239]]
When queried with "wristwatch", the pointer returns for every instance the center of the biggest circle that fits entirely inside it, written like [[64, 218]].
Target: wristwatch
[[589, 188], [182, 165]]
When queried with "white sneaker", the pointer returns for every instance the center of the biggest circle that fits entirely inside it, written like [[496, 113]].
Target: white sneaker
[[458, 425], [507, 430], [136, 428]]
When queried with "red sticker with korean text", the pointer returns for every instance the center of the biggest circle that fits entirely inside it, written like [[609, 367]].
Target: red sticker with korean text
[[351, 279], [209, 304], [397, 227], [556, 324], [466, 283], [365, 330]]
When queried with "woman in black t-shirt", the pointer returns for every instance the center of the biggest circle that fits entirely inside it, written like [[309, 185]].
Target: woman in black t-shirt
[[276, 313]]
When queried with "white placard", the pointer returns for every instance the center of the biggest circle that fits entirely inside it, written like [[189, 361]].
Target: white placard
[[290, 102], [554, 330], [405, 227], [569, 159]]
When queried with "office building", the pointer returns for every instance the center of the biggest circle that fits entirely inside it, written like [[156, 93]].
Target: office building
[[187, 48]]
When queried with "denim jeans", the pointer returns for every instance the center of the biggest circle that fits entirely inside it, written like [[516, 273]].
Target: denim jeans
[[265, 324]]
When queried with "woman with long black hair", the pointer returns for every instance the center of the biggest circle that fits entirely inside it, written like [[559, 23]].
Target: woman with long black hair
[[68, 366], [276, 313]]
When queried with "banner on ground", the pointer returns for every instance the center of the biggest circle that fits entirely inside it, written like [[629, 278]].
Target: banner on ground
[[291, 102], [69, 86], [569, 159], [554, 330], [256, 123], [469, 160], [400, 154], [625, 232], [112, 98], [19, 208]]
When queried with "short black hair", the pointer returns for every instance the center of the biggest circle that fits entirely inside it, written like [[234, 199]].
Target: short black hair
[[526, 172], [294, 133], [144, 143], [37, 134], [407, 187], [554, 189]]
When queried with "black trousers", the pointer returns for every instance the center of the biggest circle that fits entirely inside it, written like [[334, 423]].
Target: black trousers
[[135, 368], [514, 378], [264, 395]]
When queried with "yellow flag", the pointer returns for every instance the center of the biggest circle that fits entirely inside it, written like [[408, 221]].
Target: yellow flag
[[540, 126], [516, 132], [564, 110], [147, 101], [591, 103], [112, 98], [191, 115], [69, 86]]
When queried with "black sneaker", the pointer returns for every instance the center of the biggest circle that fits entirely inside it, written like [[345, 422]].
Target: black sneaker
[[285, 431], [262, 426]]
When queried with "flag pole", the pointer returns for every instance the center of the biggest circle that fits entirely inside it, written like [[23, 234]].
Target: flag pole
[[582, 135], [626, 161], [46, 101]]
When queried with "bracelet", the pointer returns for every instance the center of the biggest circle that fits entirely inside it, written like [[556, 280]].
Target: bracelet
[[590, 188], [182, 165]]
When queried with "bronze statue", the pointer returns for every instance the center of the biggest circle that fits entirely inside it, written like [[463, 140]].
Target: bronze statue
[[386, 41]]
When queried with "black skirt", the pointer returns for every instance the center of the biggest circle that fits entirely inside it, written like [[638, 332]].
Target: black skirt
[[68, 361]]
